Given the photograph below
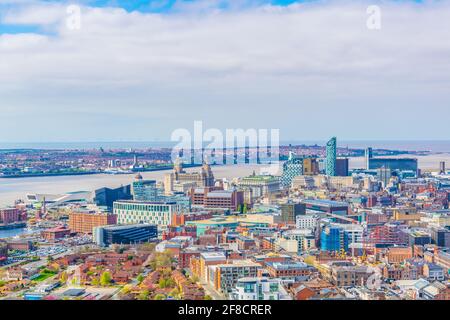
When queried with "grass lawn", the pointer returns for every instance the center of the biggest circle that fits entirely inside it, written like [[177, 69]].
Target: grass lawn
[[44, 275]]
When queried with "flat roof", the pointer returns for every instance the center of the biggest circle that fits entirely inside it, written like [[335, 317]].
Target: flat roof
[[329, 203]]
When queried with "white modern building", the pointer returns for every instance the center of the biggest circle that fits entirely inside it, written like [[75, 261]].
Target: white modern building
[[259, 288], [159, 213], [307, 221]]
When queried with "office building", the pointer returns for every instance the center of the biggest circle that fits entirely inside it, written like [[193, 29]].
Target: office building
[[327, 206], [132, 212], [105, 197], [310, 166], [333, 239], [307, 221], [346, 274], [204, 178], [255, 289], [85, 222], [419, 238], [125, 234], [199, 265], [368, 156], [144, 190], [442, 169], [331, 149], [292, 168], [211, 197], [261, 186], [338, 237], [441, 237], [224, 277], [290, 211], [342, 167], [384, 176]]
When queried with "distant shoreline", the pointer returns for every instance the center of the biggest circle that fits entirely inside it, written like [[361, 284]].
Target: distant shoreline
[[38, 175], [406, 145]]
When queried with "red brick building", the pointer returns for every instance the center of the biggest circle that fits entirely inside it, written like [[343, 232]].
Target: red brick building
[[85, 222], [55, 233]]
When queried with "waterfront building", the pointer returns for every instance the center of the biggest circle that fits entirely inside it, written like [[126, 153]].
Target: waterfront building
[[368, 156], [204, 178], [144, 190], [54, 200], [105, 197], [395, 164], [442, 169], [125, 234], [331, 149], [3, 251], [11, 215], [132, 212]]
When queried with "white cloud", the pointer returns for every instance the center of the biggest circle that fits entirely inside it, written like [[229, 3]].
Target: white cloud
[[295, 59]]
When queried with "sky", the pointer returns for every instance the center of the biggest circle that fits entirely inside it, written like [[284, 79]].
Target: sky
[[138, 70]]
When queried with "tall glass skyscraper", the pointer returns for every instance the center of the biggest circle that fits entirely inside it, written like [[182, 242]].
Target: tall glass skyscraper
[[292, 168], [331, 157]]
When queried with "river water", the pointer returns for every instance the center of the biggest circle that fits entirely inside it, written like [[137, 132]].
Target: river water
[[17, 188], [12, 189]]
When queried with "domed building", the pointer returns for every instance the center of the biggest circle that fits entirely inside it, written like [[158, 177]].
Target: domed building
[[180, 180]]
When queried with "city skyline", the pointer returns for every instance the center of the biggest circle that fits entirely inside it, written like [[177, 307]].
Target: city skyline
[[138, 72]]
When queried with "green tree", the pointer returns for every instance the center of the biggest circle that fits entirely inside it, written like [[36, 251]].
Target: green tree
[[162, 283], [144, 295], [175, 293], [105, 278], [63, 277], [126, 289], [170, 283], [207, 298], [95, 282], [140, 278], [159, 297]]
